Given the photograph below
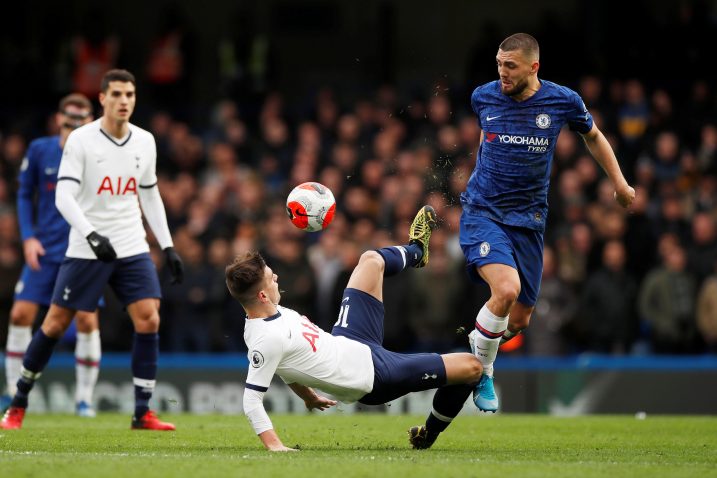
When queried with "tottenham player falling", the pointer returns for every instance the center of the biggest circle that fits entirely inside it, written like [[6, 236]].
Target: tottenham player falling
[[106, 166], [505, 204], [350, 363]]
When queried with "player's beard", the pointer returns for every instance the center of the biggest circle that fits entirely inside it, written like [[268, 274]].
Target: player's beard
[[517, 89]]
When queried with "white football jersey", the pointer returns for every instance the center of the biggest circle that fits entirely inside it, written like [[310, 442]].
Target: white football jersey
[[289, 345], [110, 172]]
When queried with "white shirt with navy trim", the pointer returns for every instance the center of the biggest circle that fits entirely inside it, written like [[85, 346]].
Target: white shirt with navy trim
[[290, 345], [110, 173]]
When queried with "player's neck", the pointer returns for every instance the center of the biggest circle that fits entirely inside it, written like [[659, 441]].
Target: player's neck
[[116, 129], [532, 88], [261, 311]]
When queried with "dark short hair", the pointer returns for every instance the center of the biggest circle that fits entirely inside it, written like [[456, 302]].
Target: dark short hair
[[75, 99], [523, 42], [244, 274], [116, 75]]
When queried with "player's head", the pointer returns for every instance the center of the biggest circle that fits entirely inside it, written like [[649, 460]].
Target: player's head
[[117, 95], [73, 111], [251, 281], [518, 61]]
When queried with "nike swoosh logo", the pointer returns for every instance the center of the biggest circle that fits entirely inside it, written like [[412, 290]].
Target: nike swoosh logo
[[491, 118]]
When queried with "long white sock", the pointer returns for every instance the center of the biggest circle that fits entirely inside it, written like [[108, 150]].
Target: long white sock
[[88, 352], [490, 329], [18, 338]]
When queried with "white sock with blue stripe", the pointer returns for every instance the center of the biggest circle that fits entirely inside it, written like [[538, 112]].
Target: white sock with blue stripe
[[490, 328]]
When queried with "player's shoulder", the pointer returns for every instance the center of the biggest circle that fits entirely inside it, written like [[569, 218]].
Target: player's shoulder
[[88, 131], [489, 89], [44, 142], [557, 91], [141, 134]]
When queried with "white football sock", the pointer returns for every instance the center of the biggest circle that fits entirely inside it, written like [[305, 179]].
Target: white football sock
[[18, 338], [88, 352], [490, 329]]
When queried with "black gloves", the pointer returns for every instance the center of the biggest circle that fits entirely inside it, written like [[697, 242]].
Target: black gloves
[[175, 265], [101, 247]]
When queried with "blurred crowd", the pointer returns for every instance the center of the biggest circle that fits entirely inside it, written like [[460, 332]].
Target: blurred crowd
[[635, 282]]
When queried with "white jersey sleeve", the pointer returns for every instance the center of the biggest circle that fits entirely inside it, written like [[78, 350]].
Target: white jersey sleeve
[[68, 186], [151, 202], [264, 355]]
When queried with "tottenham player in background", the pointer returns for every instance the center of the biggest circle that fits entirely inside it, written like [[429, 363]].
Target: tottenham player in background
[[44, 240], [350, 363], [107, 165], [505, 203]]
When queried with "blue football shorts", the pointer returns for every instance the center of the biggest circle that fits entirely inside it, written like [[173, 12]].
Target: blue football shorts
[[485, 241], [37, 286], [80, 282], [395, 374]]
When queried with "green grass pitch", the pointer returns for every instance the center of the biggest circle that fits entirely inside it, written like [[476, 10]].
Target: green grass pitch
[[371, 445]]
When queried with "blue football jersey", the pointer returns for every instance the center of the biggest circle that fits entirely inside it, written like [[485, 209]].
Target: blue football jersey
[[37, 214], [510, 181]]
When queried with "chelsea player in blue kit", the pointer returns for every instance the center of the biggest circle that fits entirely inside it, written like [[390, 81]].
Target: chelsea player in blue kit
[[505, 204], [44, 234]]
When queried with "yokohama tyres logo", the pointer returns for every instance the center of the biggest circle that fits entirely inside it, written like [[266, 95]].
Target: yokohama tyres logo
[[515, 139]]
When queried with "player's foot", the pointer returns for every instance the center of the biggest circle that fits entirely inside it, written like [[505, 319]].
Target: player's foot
[[149, 421], [484, 395], [420, 231], [5, 401], [419, 438], [12, 420], [84, 409]]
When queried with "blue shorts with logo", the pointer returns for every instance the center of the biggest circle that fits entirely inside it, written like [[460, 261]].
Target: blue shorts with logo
[[37, 286], [485, 241], [395, 374], [80, 282]]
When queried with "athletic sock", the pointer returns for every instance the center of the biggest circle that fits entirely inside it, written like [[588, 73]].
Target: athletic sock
[[36, 357], [398, 258], [145, 351], [88, 352], [18, 338], [447, 403], [490, 329], [509, 335]]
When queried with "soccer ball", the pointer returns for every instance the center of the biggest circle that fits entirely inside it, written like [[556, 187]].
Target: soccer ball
[[311, 206]]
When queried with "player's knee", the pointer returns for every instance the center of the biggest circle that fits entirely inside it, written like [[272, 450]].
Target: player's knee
[[55, 325], [475, 369], [86, 323], [20, 317], [507, 292], [372, 259]]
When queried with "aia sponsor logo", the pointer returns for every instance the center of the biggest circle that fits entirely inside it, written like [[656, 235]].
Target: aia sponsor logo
[[118, 187]]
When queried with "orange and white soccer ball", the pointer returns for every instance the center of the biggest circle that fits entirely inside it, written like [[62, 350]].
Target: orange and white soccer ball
[[311, 206]]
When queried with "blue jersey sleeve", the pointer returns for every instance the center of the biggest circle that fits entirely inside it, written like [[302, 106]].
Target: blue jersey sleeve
[[475, 101], [579, 118], [28, 181]]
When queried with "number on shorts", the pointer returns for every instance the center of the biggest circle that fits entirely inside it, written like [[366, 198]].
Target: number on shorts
[[343, 320]]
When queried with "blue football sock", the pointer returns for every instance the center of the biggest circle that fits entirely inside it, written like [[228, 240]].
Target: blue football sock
[[37, 355], [398, 258], [145, 351], [447, 403]]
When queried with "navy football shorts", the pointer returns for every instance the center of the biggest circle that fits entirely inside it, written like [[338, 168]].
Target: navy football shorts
[[37, 286], [361, 319], [80, 282], [485, 241]]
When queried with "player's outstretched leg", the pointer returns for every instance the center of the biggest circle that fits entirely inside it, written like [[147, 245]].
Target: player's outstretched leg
[[18, 338]]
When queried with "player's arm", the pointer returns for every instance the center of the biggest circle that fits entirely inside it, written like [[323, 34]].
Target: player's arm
[[602, 152], [311, 398], [28, 182], [154, 213], [264, 356]]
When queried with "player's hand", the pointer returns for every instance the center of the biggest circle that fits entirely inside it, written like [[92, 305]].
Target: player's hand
[[320, 403], [281, 448], [625, 195], [175, 265], [101, 247], [32, 249]]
